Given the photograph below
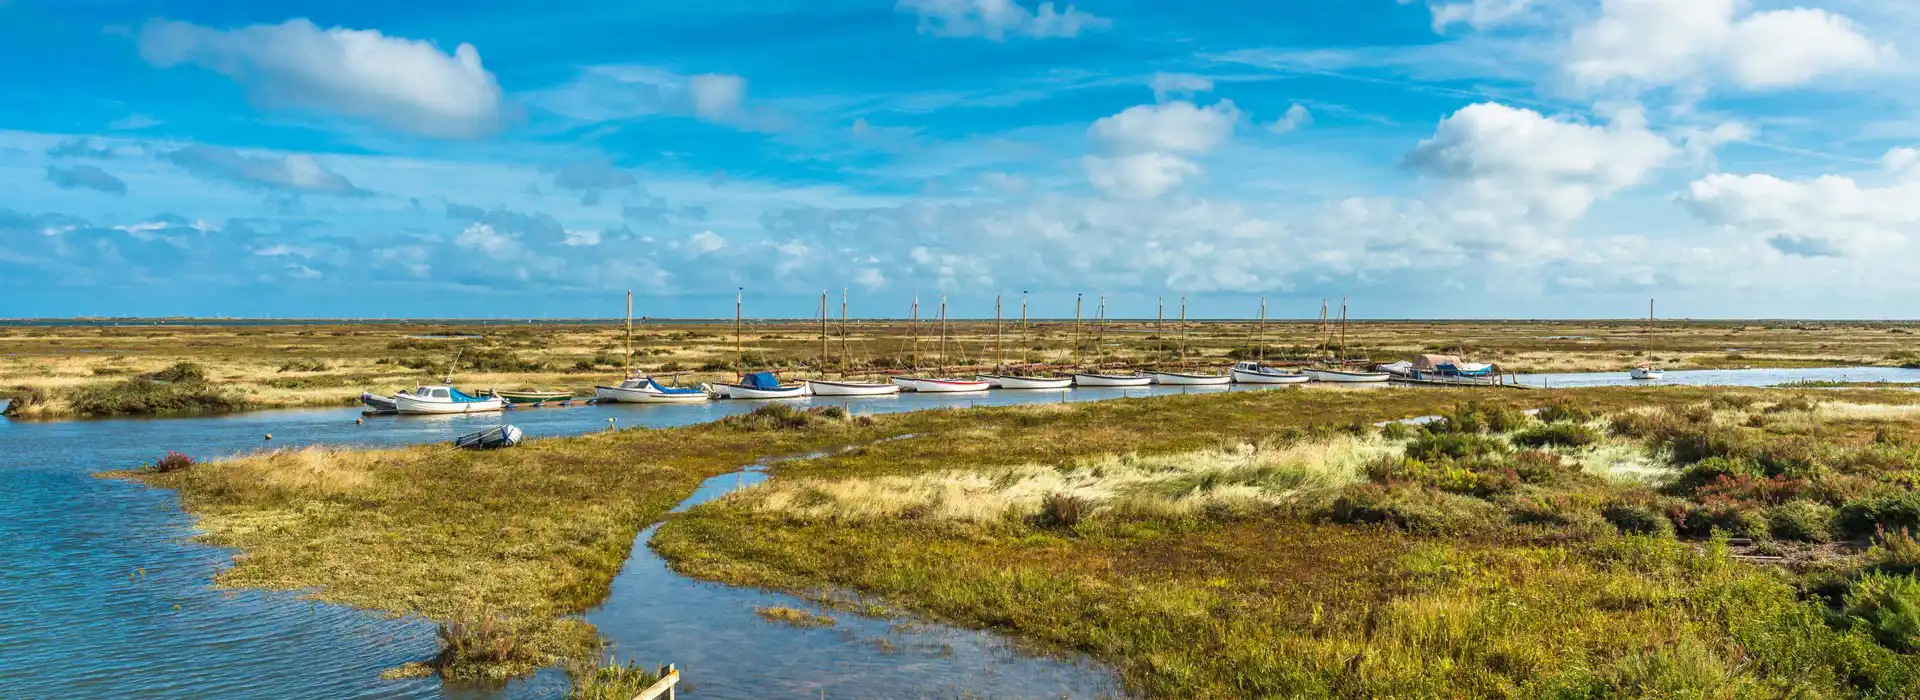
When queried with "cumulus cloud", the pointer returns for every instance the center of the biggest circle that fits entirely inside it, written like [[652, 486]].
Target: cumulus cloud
[[403, 83], [1140, 175], [1506, 164], [1644, 44], [1827, 216], [294, 173], [1177, 127], [1296, 117], [1178, 85], [1479, 14], [80, 148], [717, 97], [591, 177], [85, 176], [996, 20]]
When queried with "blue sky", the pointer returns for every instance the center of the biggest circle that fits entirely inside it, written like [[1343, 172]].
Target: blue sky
[[1436, 158]]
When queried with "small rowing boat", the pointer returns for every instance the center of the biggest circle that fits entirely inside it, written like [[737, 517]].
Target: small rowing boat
[[378, 402], [531, 395], [492, 438]]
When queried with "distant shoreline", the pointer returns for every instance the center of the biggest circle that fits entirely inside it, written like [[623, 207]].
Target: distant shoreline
[[248, 322]]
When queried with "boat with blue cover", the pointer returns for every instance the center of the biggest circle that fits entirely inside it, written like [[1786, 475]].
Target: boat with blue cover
[[435, 400], [648, 390], [762, 385]]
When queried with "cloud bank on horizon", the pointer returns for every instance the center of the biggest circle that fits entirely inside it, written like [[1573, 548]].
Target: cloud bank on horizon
[[1430, 158]]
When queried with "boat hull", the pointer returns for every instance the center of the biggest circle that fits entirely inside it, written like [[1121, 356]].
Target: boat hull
[[377, 402], [1335, 376], [409, 405], [614, 394], [739, 391], [1647, 373], [1029, 383], [822, 388], [1181, 379], [944, 386], [1111, 380], [1245, 377], [533, 396]]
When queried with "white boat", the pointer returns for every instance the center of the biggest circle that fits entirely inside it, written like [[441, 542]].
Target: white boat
[[1342, 376], [1086, 379], [433, 400], [762, 385], [492, 438], [378, 402], [646, 390], [1648, 373], [1185, 379], [1255, 373], [933, 385], [823, 387], [1004, 381], [992, 380]]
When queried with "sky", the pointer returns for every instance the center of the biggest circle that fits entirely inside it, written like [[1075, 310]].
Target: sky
[[519, 159]]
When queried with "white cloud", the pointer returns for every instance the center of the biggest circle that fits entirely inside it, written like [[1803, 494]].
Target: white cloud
[[1297, 116], [295, 173], [705, 242], [997, 19], [1903, 162], [582, 237], [1170, 85], [1176, 127], [717, 97], [404, 83], [1503, 164], [1140, 175], [869, 278], [1827, 216], [1479, 14], [1644, 44], [492, 243]]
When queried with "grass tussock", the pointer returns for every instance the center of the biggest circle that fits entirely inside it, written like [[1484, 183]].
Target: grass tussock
[[610, 680], [794, 617]]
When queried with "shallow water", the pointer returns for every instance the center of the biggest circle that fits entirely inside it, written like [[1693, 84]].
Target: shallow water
[[78, 618], [1728, 377]]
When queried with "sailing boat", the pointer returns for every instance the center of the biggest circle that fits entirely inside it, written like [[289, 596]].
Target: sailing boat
[[1649, 370], [1339, 373], [939, 385], [823, 387], [754, 385], [1097, 378], [642, 389], [1256, 372], [1184, 378], [1010, 381]]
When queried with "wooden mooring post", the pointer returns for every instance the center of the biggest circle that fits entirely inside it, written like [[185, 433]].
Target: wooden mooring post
[[662, 688]]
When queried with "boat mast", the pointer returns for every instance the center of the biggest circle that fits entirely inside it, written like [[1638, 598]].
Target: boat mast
[[998, 335], [739, 350], [943, 335], [1325, 335], [823, 332], [1076, 329], [1183, 328], [1160, 321], [1100, 326], [1260, 355], [913, 323], [629, 335], [1025, 359], [1343, 330], [1649, 332], [846, 357]]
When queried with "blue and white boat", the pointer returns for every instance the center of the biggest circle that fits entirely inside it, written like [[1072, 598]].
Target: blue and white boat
[[435, 400], [649, 390], [761, 385]]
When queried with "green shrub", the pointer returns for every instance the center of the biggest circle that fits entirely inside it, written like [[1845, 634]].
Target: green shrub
[[1564, 412], [1732, 402], [610, 681], [135, 397], [1792, 405], [1477, 418], [1711, 470], [1557, 435], [180, 373], [1882, 512], [1735, 520], [1415, 510], [1636, 518], [1805, 521], [1396, 430], [1889, 606], [1454, 445]]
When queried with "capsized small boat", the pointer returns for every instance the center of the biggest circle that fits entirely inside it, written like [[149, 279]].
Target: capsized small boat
[[531, 395], [1255, 373], [1008, 381], [822, 387], [433, 400], [647, 390], [492, 438], [941, 385], [1345, 376], [762, 385], [378, 402], [1095, 379], [1187, 379]]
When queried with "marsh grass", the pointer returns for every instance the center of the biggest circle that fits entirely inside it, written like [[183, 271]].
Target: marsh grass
[[611, 680], [794, 617]]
